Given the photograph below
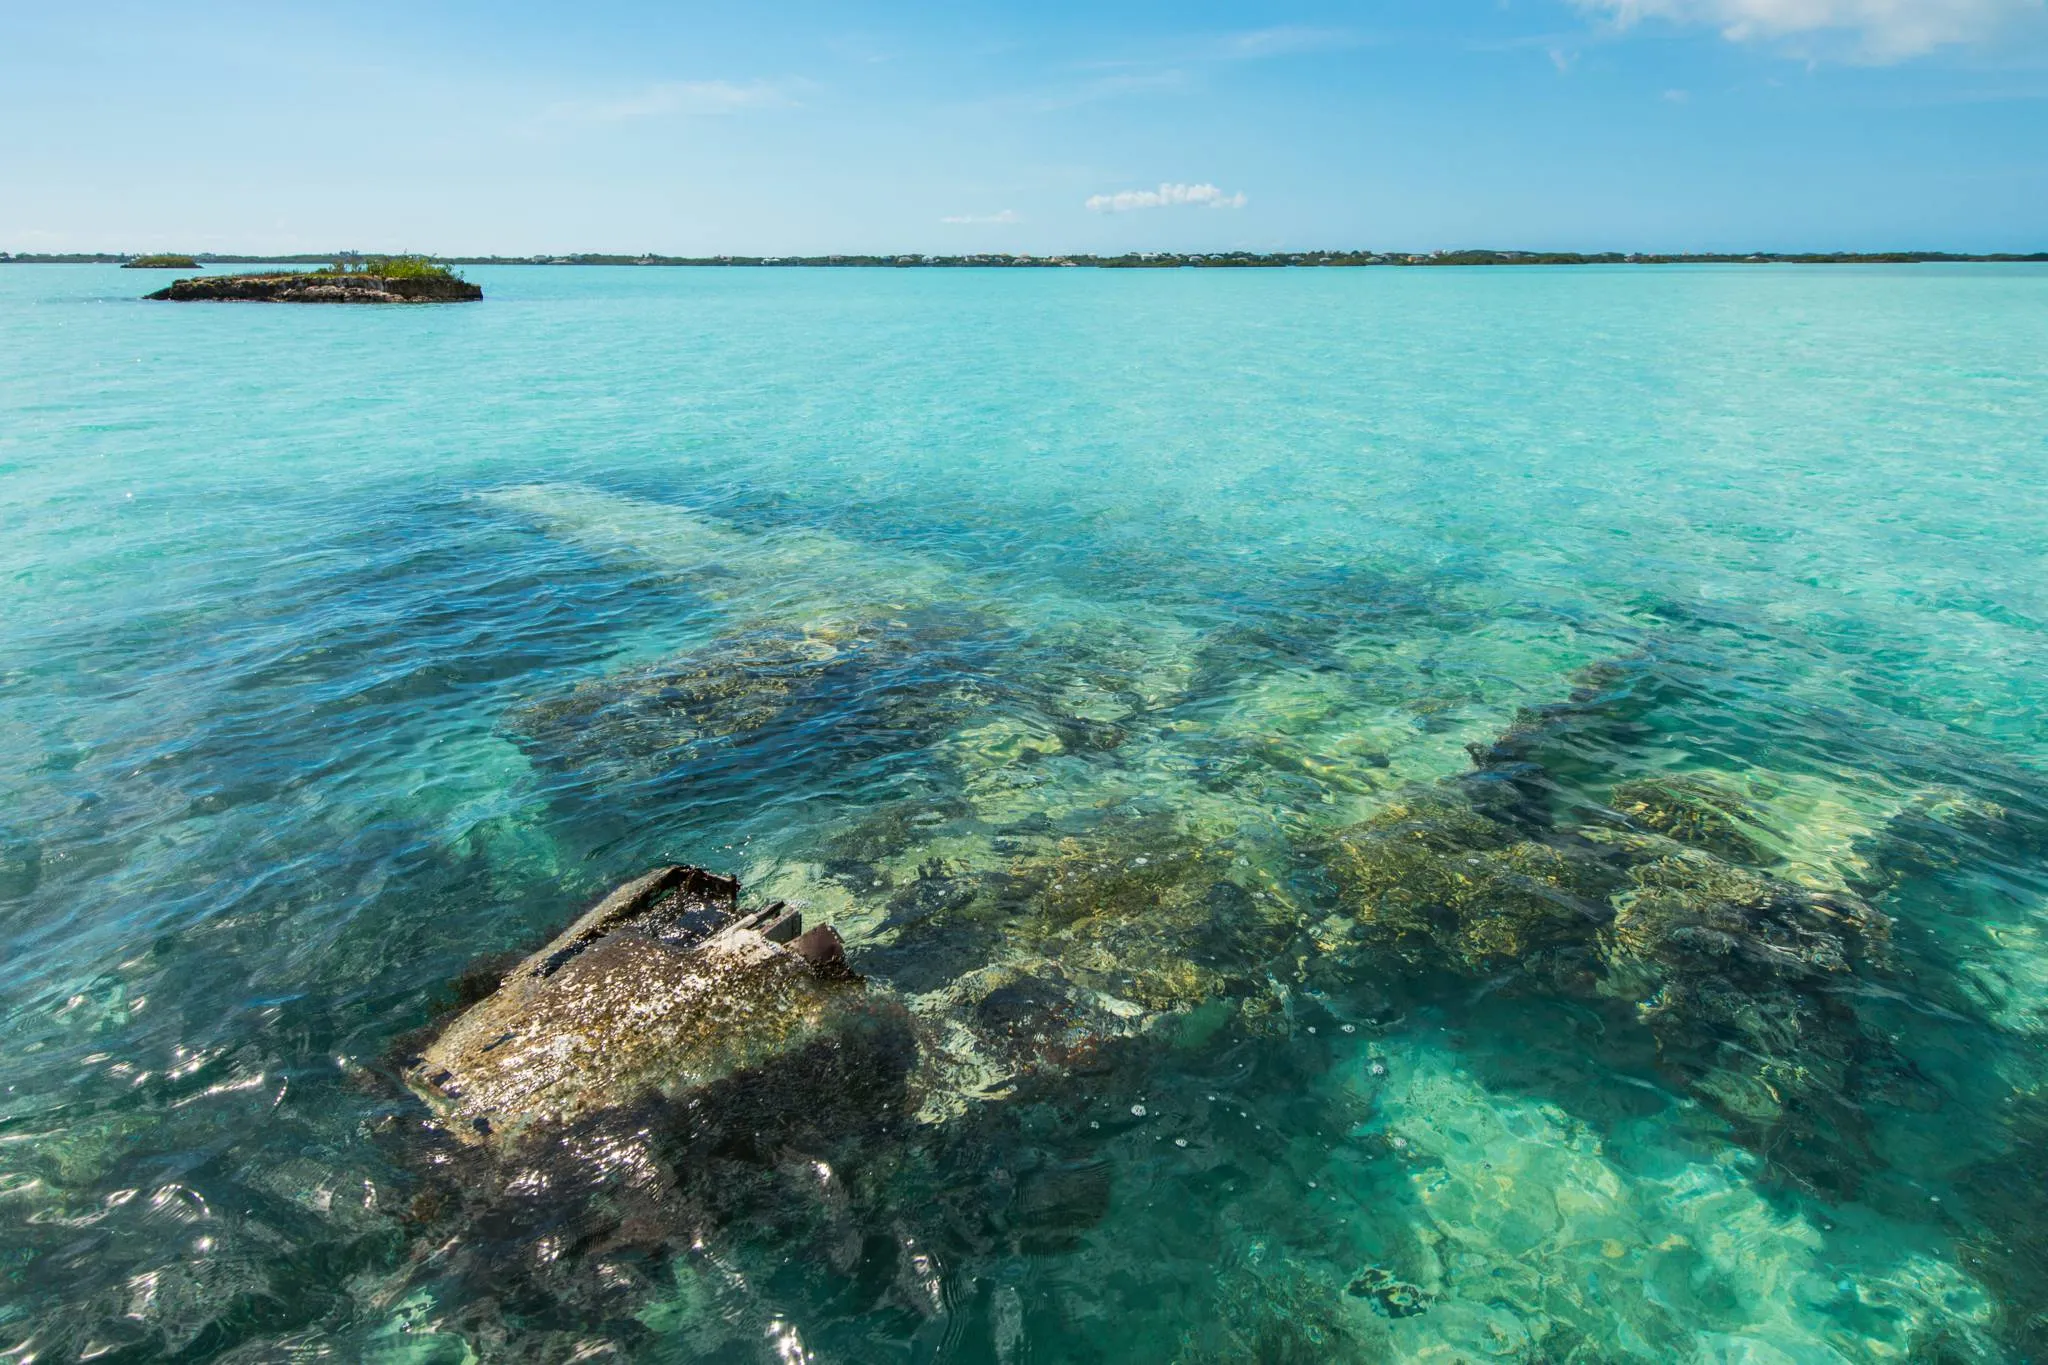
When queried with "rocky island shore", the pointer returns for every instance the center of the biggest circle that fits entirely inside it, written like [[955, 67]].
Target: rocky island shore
[[395, 280]]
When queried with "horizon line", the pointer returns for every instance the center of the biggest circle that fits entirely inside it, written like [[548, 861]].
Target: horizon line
[[1153, 259]]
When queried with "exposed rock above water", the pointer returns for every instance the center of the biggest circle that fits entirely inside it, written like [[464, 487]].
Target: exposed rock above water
[[663, 988], [297, 286], [667, 1065]]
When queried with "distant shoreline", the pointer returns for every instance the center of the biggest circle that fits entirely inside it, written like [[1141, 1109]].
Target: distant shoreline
[[1156, 260]]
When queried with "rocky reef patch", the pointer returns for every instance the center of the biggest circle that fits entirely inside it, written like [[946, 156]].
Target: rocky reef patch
[[1745, 981], [295, 286], [1087, 875]]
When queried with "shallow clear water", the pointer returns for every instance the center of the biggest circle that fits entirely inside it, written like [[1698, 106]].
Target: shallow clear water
[[1068, 636]]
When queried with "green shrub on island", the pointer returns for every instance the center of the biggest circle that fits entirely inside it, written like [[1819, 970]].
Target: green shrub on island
[[391, 268], [161, 263]]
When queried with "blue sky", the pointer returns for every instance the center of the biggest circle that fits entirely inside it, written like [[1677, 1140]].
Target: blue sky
[[625, 125]]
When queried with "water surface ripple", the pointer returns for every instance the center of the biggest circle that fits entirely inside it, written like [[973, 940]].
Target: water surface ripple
[[1419, 815]]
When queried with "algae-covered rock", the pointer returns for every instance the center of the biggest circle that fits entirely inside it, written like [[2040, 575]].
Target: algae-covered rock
[[1734, 974], [1390, 1295], [871, 678], [1142, 911], [1949, 829], [1607, 713], [1737, 975], [735, 686], [1694, 812], [1432, 876], [1071, 940], [665, 1071], [1688, 911], [662, 989], [320, 286]]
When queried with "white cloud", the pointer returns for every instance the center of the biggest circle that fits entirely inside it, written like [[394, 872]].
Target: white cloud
[[1878, 30], [1166, 196], [1006, 216], [674, 97]]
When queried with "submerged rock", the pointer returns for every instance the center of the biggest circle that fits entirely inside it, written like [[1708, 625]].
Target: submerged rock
[[1138, 912], [1147, 914], [1433, 876], [1688, 912], [1692, 811], [1736, 976], [1948, 830], [662, 989], [825, 696], [301, 286], [1392, 1296], [1741, 978]]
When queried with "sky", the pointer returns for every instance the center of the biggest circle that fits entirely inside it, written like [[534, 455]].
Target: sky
[[510, 127]]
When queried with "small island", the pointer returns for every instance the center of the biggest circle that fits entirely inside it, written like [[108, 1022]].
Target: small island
[[380, 279], [161, 262]]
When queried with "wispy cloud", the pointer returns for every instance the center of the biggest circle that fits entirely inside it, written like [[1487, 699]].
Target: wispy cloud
[[1115, 86], [861, 48], [675, 98], [1166, 196], [1006, 216], [1282, 41], [1875, 30], [1184, 64]]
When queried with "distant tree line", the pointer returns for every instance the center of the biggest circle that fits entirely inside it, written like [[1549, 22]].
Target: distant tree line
[[1141, 260]]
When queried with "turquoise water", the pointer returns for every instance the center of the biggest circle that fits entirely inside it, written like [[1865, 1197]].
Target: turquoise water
[[1217, 705]]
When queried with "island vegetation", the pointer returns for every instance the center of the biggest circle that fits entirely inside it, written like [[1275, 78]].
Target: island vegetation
[[162, 262], [388, 268]]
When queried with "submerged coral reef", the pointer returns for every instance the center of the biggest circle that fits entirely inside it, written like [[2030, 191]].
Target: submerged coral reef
[[1128, 840], [1047, 941], [1292, 952], [1744, 980]]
